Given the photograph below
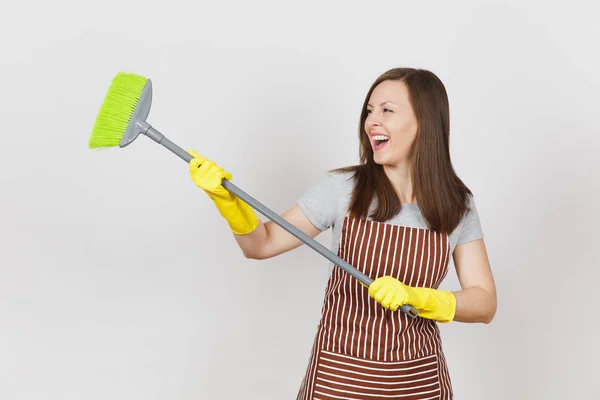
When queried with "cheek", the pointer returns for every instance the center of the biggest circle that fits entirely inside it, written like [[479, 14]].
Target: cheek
[[405, 133]]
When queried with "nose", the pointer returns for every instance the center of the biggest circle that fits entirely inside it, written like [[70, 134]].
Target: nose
[[372, 120]]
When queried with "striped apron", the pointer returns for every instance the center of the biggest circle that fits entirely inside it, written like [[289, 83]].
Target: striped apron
[[363, 351]]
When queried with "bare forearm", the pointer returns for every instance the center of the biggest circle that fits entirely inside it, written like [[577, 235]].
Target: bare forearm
[[254, 242], [475, 304], [270, 240]]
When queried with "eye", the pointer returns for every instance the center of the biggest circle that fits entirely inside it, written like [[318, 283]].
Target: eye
[[387, 109], [369, 111]]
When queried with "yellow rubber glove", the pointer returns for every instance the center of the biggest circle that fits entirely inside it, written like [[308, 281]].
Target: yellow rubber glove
[[207, 175], [433, 304]]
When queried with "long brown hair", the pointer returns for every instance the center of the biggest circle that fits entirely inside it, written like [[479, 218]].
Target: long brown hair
[[441, 195]]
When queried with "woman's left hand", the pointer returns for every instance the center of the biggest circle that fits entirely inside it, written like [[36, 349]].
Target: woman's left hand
[[432, 303]]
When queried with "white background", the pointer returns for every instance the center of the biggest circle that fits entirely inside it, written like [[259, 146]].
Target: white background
[[120, 280]]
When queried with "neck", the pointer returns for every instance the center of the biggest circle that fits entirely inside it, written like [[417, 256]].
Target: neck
[[401, 178]]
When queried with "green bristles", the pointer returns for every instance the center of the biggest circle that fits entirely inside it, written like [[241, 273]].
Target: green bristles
[[117, 109]]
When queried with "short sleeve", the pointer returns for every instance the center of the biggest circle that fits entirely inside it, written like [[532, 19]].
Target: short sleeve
[[320, 202], [471, 225]]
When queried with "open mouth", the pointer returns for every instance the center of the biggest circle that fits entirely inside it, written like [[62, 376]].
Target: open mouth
[[380, 141]]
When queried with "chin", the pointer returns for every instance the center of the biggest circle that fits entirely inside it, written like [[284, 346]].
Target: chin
[[380, 161]]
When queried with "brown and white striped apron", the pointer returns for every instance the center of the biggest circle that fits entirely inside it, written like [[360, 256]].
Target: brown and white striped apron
[[363, 351]]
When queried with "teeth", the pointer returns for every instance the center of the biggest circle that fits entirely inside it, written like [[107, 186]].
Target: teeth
[[380, 137]]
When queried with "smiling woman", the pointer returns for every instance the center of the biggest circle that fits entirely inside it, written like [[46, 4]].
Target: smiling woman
[[390, 122], [398, 216]]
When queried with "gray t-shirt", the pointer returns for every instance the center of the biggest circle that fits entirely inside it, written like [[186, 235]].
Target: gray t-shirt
[[326, 205]]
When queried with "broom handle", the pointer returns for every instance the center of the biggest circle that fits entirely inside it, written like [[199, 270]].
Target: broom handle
[[161, 139]]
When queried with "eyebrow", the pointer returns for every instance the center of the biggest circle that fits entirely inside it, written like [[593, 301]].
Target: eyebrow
[[369, 104]]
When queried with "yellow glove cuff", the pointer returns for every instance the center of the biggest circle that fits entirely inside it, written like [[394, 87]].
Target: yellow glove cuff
[[239, 215], [209, 176], [439, 305]]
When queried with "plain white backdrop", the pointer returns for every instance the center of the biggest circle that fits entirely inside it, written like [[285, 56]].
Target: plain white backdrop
[[120, 280]]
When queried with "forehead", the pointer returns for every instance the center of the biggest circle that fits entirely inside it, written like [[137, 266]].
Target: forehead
[[392, 90]]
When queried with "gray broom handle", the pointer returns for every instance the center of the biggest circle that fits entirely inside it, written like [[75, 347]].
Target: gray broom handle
[[161, 139]]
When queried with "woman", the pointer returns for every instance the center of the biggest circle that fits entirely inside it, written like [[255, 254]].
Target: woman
[[398, 216]]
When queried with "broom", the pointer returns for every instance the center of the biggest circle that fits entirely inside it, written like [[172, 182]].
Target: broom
[[122, 118]]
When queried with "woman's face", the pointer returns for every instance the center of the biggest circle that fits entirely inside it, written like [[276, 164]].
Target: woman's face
[[391, 123]]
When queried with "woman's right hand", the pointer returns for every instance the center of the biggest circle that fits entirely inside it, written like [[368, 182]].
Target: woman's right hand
[[208, 176]]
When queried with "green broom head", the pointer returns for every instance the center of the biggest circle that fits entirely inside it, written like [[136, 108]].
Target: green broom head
[[114, 119]]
